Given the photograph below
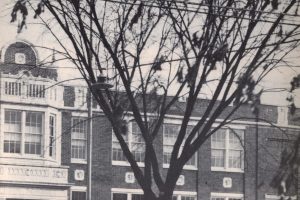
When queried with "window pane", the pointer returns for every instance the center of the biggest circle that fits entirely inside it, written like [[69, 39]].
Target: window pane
[[78, 195], [167, 154], [119, 196], [236, 139], [137, 144], [12, 143], [33, 132], [218, 139], [117, 153], [12, 131], [79, 135], [52, 127], [217, 158], [235, 158]]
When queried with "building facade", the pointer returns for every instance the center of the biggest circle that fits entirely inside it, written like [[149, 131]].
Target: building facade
[[43, 144]]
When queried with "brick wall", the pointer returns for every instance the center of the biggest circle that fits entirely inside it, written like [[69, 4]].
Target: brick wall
[[204, 181]]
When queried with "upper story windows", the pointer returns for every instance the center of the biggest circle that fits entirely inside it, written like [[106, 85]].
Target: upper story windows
[[79, 139], [135, 143], [227, 151], [170, 133], [23, 131]]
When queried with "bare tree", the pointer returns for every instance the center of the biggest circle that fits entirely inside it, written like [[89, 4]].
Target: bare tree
[[155, 52]]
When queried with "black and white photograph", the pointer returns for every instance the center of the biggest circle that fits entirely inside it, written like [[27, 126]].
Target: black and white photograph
[[149, 99]]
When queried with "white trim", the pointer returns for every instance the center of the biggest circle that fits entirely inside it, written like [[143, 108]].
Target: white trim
[[78, 161], [140, 191], [80, 114], [189, 193], [276, 197], [78, 188], [222, 169], [126, 190], [185, 167], [125, 163], [226, 195]]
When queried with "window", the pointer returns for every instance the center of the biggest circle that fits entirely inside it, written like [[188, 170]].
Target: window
[[134, 141], [226, 196], [79, 138], [13, 88], [170, 135], [80, 97], [33, 133], [76, 195], [227, 152], [52, 127], [127, 196], [13, 131]]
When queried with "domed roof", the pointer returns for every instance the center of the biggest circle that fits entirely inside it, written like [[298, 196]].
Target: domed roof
[[20, 53], [20, 56]]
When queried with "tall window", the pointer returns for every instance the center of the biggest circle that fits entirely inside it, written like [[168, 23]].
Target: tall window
[[170, 135], [134, 141], [13, 131], [227, 152], [52, 127], [33, 132], [79, 138]]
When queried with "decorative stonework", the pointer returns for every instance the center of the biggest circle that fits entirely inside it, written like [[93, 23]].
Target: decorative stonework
[[33, 174]]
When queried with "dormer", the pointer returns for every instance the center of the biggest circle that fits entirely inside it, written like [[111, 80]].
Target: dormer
[[20, 52]]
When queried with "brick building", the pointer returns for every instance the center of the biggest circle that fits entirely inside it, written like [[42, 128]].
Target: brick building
[[56, 142]]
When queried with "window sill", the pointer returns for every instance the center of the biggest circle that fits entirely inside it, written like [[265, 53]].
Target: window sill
[[186, 167], [222, 169], [78, 161], [125, 163]]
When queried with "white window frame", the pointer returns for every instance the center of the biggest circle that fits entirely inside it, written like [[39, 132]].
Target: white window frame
[[129, 135], [52, 137], [226, 196], [79, 160], [129, 192], [276, 197], [178, 122], [226, 158], [77, 189], [23, 133], [179, 194]]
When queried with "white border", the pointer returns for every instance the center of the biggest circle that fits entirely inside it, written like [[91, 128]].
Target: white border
[[226, 195]]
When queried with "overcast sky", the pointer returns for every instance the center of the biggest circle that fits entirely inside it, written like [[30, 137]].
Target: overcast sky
[[279, 78]]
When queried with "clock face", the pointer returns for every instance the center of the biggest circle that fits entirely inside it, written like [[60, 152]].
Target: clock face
[[20, 58]]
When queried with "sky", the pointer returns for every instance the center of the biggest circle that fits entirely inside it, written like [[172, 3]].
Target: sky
[[37, 35]]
